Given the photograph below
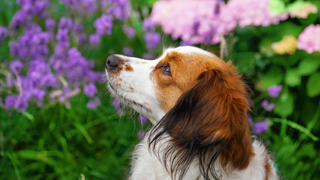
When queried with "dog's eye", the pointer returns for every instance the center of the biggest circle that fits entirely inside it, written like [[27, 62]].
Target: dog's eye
[[166, 69]]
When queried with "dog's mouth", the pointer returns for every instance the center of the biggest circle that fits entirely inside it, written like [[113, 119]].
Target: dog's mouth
[[126, 101]]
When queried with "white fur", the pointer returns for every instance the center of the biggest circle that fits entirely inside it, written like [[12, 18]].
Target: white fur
[[145, 165]]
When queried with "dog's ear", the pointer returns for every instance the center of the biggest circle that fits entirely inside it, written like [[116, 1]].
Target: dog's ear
[[209, 121]]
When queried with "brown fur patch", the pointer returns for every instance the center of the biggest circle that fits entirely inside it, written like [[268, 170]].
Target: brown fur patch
[[222, 104], [267, 166], [184, 70], [128, 67]]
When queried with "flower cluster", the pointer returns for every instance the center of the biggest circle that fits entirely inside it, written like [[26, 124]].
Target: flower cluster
[[152, 38], [303, 10], [3, 33], [81, 6], [120, 9], [40, 75], [207, 21], [309, 39], [103, 26], [29, 10], [259, 127], [287, 45]]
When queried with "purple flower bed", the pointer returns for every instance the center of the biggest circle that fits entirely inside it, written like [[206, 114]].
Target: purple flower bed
[[46, 65]]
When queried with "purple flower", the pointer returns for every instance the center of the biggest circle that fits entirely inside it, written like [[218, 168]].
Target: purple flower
[[129, 31], [104, 24], [195, 26], [23, 2], [21, 102], [65, 23], [90, 89], [63, 37], [9, 101], [90, 5], [116, 103], [217, 8], [142, 119], [93, 104], [38, 94], [141, 134], [3, 33], [77, 27], [16, 66], [82, 39], [120, 112], [40, 8], [261, 126], [127, 51], [274, 90], [148, 25], [48, 80], [28, 10], [40, 38], [50, 24], [186, 43], [95, 39], [250, 120], [152, 40], [120, 9], [19, 19], [265, 104], [208, 36], [147, 56]]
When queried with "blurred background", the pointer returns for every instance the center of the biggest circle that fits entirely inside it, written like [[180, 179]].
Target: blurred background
[[58, 121]]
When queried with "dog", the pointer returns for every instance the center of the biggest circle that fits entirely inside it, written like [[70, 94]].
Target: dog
[[198, 105]]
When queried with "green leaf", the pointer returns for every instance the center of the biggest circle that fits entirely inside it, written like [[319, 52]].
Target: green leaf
[[313, 85], [292, 78], [28, 115], [285, 104], [297, 127], [308, 66], [271, 77], [277, 6]]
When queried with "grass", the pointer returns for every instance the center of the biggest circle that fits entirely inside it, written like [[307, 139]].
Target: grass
[[60, 143]]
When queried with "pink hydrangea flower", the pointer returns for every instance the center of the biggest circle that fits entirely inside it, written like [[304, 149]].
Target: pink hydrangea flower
[[309, 39], [191, 20]]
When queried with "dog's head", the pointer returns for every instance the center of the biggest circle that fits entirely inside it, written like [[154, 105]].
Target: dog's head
[[200, 100]]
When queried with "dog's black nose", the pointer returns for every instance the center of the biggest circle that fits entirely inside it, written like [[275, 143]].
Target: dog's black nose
[[112, 62]]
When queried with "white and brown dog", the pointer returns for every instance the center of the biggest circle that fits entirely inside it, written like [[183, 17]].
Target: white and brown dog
[[198, 105]]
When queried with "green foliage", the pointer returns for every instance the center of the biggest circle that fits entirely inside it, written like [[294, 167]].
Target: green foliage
[[61, 143], [308, 66], [294, 133], [313, 85], [285, 104]]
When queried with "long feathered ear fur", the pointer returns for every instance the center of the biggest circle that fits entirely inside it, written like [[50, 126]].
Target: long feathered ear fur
[[209, 122]]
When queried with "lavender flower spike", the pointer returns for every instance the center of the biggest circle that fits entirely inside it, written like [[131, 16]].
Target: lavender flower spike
[[9, 101], [90, 89], [3, 33]]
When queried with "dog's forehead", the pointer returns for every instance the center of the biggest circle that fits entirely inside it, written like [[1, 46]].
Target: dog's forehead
[[188, 50]]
